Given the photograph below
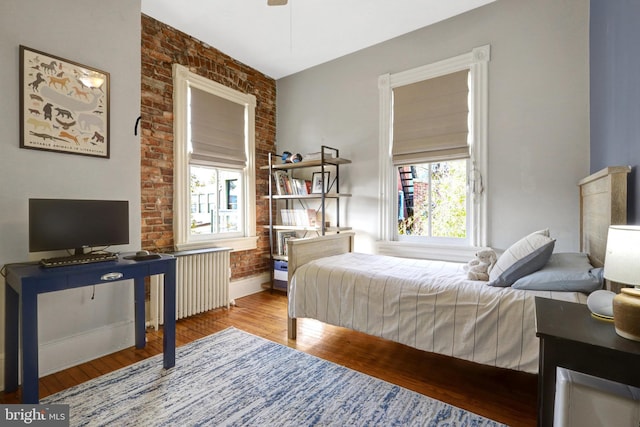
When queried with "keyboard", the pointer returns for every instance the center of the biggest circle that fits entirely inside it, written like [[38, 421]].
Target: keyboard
[[78, 259]]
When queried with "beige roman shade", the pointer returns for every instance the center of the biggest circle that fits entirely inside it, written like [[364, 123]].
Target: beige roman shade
[[430, 120], [217, 130]]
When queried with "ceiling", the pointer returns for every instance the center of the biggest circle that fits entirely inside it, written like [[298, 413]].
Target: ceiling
[[282, 40]]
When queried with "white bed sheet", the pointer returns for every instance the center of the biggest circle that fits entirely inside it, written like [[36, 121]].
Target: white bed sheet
[[429, 305]]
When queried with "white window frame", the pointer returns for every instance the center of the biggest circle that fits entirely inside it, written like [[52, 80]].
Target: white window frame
[[183, 79], [477, 62]]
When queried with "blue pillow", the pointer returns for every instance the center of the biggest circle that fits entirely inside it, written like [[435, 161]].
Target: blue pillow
[[565, 272]]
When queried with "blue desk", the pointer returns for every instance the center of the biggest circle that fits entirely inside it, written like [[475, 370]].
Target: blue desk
[[25, 281]]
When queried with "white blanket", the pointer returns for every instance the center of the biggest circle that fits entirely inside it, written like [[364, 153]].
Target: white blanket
[[429, 305]]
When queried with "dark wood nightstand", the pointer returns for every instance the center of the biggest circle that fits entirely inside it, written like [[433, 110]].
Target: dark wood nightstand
[[571, 338]]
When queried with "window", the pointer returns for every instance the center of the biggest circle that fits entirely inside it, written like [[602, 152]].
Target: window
[[433, 152], [218, 210], [214, 184], [432, 200]]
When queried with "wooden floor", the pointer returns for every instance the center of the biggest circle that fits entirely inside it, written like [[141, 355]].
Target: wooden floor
[[502, 395]]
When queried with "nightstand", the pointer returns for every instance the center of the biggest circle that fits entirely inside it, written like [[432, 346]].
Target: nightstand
[[571, 338]]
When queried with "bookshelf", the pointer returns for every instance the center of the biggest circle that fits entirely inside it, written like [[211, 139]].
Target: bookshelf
[[300, 195]]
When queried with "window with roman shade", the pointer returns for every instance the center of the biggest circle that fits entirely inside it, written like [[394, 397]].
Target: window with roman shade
[[217, 131], [214, 164], [433, 157], [430, 120]]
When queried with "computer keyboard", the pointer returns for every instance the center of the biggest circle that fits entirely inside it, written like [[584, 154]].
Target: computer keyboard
[[78, 259]]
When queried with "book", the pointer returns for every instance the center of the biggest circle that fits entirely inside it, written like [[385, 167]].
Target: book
[[287, 186], [299, 217], [300, 187], [281, 241], [312, 216], [281, 178]]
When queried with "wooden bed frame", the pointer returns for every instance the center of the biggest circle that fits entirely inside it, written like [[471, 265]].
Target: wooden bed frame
[[603, 202], [301, 251]]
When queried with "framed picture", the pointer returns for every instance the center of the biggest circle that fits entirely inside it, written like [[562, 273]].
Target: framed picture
[[320, 182], [64, 106]]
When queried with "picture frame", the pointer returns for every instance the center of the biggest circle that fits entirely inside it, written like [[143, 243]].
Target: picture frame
[[64, 105], [320, 183]]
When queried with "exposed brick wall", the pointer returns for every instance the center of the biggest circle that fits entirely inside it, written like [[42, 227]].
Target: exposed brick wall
[[420, 193], [162, 46]]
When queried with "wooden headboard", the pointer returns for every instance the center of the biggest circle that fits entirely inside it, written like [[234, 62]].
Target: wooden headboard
[[603, 202]]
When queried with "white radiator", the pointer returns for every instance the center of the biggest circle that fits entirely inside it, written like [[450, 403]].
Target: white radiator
[[202, 284]]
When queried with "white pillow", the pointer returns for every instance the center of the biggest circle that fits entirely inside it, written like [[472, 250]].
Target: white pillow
[[526, 256]]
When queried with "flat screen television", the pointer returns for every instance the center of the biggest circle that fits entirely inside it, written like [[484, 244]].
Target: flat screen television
[[65, 224]]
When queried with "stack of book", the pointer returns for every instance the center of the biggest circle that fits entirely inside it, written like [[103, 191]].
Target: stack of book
[[285, 185], [281, 241], [298, 217]]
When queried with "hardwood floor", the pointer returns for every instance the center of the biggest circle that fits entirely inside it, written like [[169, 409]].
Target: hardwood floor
[[503, 395]]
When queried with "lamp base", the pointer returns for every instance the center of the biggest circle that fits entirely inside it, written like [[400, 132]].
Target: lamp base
[[626, 313]]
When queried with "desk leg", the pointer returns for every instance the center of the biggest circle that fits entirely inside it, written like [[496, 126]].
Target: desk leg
[[11, 330], [29, 336], [169, 328], [546, 383], [138, 285]]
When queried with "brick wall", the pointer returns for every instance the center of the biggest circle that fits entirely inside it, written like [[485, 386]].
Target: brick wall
[[162, 46], [420, 193]]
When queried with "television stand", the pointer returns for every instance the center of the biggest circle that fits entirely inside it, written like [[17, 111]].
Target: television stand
[[24, 282]]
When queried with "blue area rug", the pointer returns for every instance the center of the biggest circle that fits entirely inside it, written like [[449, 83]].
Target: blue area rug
[[233, 378]]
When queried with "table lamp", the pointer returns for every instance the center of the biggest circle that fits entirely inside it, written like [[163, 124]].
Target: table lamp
[[622, 265]]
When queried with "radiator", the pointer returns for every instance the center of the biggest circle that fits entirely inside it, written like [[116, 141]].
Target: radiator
[[202, 284]]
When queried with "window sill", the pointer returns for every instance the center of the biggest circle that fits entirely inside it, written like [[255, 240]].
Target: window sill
[[236, 244], [426, 251]]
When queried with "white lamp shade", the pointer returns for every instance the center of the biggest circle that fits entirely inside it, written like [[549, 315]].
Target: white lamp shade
[[622, 259]]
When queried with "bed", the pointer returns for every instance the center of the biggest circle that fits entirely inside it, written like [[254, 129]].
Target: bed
[[431, 305]]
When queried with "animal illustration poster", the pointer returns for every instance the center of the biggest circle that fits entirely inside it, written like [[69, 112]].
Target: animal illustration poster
[[64, 106]]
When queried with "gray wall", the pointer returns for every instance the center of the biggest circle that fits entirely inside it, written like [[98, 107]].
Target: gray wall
[[104, 35], [538, 113], [615, 91]]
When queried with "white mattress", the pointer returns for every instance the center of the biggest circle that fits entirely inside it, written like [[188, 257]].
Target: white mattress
[[429, 305]]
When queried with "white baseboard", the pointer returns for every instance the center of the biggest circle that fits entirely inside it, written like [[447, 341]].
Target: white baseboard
[[55, 355], [251, 285], [70, 351]]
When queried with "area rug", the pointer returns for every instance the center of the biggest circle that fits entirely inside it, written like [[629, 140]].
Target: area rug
[[233, 378]]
